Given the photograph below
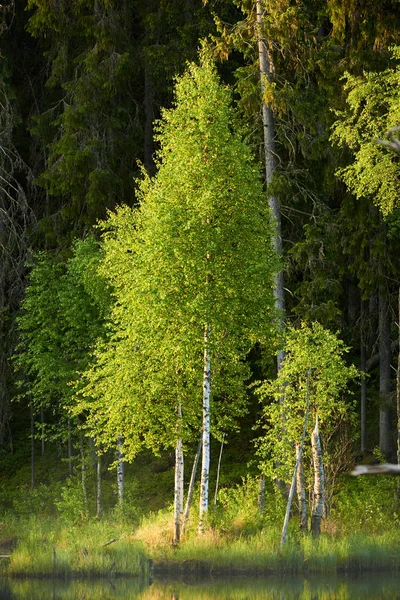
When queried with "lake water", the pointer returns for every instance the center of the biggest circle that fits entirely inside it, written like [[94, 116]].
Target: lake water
[[366, 587]]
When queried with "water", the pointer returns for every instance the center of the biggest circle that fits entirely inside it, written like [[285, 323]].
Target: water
[[385, 586]]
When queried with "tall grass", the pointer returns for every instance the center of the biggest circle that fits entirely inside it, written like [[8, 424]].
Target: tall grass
[[261, 552], [48, 547]]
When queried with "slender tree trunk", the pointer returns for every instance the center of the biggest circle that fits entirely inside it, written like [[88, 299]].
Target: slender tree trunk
[[363, 360], [83, 470], [42, 423], [398, 384], [385, 442], [301, 491], [33, 470], [70, 467], [148, 159], [178, 494], [205, 466], [218, 470], [266, 72], [319, 482], [299, 453], [98, 487], [191, 485], [261, 494], [120, 470]]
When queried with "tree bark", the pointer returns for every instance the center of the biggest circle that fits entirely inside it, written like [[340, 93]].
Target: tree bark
[[178, 492], [98, 487], [205, 465], [120, 470], [266, 71], [385, 441], [218, 470], [191, 485], [148, 159], [319, 482], [83, 470], [301, 491], [363, 366], [398, 384], [70, 467], [42, 423], [261, 494], [299, 453], [33, 470]]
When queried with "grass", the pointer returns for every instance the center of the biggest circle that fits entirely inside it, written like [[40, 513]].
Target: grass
[[48, 548], [261, 552]]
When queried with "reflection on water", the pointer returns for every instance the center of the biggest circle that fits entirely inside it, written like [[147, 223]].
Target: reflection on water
[[368, 587]]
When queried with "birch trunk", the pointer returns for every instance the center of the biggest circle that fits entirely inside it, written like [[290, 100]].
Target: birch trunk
[[205, 465], [261, 494], [299, 454], [98, 486], [70, 467], [33, 470], [363, 366], [398, 392], [385, 444], [42, 424], [301, 491], [120, 471], [191, 486], [319, 482], [83, 471], [218, 471], [266, 71], [178, 492]]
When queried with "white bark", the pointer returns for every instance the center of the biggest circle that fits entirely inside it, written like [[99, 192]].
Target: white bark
[[205, 466], [178, 488], [191, 485], [83, 470], [70, 467], [261, 494], [266, 71], [178, 491], [319, 482], [363, 367], [299, 454], [385, 426], [218, 470], [98, 486], [301, 491], [120, 470]]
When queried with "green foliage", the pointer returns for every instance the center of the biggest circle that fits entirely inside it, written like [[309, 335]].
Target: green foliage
[[197, 254], [366, 504], [318, 352], [72, 506], [373, 107], [62, 316], [238, 511]]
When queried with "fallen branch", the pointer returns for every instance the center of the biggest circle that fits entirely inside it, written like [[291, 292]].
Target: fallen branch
[[111, 542]]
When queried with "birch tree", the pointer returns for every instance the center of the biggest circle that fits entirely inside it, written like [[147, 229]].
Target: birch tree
[[313, 373], [193, 274]]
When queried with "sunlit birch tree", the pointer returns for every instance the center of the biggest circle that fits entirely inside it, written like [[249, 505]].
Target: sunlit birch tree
[[193, 273]]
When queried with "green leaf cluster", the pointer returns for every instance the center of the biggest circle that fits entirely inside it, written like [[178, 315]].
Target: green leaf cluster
[[62, 315], [373, 107]]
